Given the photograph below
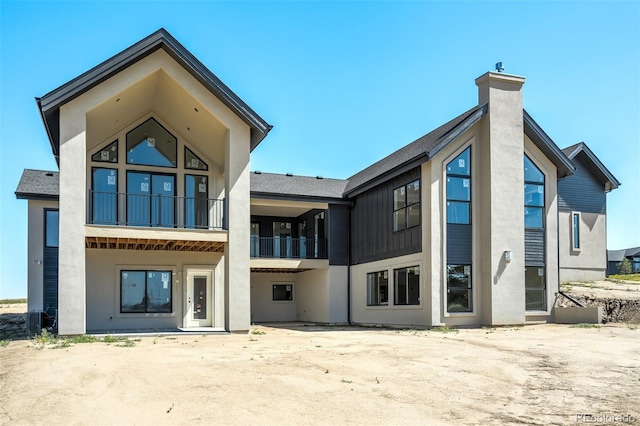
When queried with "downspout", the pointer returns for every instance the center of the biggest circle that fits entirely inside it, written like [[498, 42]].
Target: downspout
[[349, 264]]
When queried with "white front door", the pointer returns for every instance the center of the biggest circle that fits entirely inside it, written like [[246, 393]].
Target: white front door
[[199, 298]]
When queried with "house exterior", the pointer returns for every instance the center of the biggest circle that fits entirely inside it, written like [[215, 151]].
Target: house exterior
[[154, 221], [582, 226], [614, 257]]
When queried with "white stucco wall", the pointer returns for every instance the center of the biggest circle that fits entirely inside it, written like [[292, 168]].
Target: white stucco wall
[[589, 263], [263, 307], [501, 206], [103, 287], [390, 314]]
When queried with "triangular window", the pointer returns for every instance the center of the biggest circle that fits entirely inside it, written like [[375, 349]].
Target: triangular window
[[150, 144], [192, 161], [108, 154]]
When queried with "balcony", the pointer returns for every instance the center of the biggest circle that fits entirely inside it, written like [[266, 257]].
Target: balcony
[[155, 211], [288, 248], [132, 222]]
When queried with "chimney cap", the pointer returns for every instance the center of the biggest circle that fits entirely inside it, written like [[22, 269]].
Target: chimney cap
[[499, 66]]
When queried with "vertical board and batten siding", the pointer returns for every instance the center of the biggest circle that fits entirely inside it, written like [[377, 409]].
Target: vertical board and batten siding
[[338, 225], [372, 235], [534, 247], [459, 244], [50, 281], [581, 191]]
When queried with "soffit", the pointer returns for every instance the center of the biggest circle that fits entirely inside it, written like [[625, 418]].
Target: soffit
[[159, 95]]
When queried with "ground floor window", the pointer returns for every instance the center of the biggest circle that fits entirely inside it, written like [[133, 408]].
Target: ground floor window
[[282, 292], [459, 296], [145, 291], [407, 286], [535, 288], [378, 288]]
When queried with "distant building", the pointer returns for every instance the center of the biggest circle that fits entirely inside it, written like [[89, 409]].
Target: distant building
[[614, 257]]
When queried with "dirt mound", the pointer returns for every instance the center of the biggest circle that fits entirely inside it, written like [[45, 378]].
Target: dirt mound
[[620, 301]]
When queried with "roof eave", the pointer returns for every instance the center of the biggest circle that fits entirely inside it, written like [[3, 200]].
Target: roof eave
[[53, 100], [547, 146], [31, 196], [610, 181], [304, 198]]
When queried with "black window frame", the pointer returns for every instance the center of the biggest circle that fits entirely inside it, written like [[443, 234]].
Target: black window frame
[[407, 207], [379, 294], [543, 207], [542, 290], [457, 289], [106, 148], [186, 199], [174, 198], [46, 212], [396, 300], [287, 292], [126, 145], [460, 176], [146, 298], [92, 214], [188, 167]]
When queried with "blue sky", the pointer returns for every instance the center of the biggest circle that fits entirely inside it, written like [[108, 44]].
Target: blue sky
[[344, 83]]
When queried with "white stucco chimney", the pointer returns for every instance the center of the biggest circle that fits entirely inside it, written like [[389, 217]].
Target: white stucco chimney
[[501, 205]]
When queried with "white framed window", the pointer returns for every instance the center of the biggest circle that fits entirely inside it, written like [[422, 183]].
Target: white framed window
[[575, 231]]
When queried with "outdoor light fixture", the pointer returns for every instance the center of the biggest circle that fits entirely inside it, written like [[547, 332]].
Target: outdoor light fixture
[[508, 256]]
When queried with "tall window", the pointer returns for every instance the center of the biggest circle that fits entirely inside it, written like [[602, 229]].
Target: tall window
[[145, 291], [196, 201], [575, 231], [459, 288], [459, 189], [51, 228], [378, 288], [534, 275], [407, 286], [533, 195], [104, 203], [535, 288], [406, 206]]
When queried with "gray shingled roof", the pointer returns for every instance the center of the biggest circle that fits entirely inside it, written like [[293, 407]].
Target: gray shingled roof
[[423, 146], [38, 184], [618, 255], [300, 186], [597, 166]]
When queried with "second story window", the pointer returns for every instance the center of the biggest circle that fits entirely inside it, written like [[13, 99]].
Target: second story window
[[406, 206], [459, 189], [150, 144], [533, 195]]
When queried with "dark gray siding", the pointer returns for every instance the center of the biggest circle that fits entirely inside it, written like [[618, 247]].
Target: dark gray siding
[[459, 244], [50, 283], [534, 247], [338, 226], [581, 191], [372, 236]]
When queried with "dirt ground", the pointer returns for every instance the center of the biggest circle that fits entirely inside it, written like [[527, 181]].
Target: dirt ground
[[541, 374]]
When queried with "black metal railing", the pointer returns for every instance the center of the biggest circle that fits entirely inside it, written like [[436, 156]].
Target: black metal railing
[[287, 248], [122, 209]]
